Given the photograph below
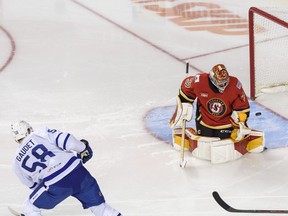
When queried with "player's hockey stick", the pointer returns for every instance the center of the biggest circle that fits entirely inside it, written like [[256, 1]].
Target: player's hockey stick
[[15, 212], [228, 208]]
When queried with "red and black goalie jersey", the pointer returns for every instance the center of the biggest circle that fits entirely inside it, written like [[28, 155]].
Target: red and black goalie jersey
[[214, 108]]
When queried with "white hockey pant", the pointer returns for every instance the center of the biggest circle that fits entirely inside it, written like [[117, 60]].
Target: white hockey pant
[[31, 210], [104, 210]]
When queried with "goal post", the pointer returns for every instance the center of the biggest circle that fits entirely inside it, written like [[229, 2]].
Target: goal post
[[268, 49]]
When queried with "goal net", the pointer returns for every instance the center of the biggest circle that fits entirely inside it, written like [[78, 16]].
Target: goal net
[[268, 43]]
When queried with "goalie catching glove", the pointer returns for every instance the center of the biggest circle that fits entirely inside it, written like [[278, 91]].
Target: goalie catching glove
[[241, 130], [87, 153]]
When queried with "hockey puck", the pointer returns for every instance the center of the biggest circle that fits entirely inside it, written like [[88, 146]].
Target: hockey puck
[[258, 113]]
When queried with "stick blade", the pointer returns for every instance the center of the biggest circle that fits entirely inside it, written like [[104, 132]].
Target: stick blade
[[221, 202], [12, 211], [183, 163], [228, 208]]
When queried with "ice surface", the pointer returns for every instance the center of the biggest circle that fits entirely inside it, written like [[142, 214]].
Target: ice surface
[[99, 69]]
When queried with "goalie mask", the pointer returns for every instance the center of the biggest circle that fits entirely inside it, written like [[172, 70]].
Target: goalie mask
[[20, 130], [219, 77]]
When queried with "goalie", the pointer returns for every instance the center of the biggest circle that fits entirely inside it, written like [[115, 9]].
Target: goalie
[[222, 111]]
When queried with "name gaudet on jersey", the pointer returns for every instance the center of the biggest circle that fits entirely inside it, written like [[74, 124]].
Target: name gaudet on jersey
[[24, 150]]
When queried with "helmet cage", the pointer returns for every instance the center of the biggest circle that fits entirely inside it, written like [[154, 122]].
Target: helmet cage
[[219, 77]]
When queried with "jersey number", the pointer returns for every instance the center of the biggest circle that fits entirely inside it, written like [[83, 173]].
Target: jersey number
[[40, 152]]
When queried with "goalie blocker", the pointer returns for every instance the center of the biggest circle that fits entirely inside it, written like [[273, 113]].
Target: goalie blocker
[[216, 150]]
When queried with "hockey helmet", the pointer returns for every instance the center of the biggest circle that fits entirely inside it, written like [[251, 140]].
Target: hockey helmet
[[20, 130], [219, 77]]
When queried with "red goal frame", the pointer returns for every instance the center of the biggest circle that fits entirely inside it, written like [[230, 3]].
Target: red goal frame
[[252, 11]]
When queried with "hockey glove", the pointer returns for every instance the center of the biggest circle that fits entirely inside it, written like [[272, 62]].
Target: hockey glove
[[183, 112], [241, 132], [87, 153]]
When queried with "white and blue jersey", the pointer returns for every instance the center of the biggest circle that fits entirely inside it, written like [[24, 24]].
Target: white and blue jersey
[[46, 156], [46, 161]]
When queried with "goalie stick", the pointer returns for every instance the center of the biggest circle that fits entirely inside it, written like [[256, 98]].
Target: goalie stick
[[228, 208], [183, 162], [12, 211]]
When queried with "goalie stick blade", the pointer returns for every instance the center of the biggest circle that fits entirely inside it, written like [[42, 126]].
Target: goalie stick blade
[[228, 208], [183, 163], [12, 211]]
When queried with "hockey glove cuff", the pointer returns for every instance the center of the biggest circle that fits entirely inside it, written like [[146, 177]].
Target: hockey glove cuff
[[87, 153]]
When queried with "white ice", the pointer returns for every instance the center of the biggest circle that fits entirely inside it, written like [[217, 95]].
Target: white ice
[[96, 68]]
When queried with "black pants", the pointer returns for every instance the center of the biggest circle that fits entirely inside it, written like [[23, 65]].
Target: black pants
[[209, 132]]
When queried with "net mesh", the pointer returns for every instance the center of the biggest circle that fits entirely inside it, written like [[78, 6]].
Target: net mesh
[[271, 50]]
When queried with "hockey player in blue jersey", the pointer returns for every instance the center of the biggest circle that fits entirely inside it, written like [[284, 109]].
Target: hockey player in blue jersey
[[51, 163]]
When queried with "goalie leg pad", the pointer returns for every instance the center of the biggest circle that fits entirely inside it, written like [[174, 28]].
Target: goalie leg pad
[[216, 150], [177, 137], [226, 150], [253, 143], [257, 142], [203, 150], [200, 146], [223, 151]]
